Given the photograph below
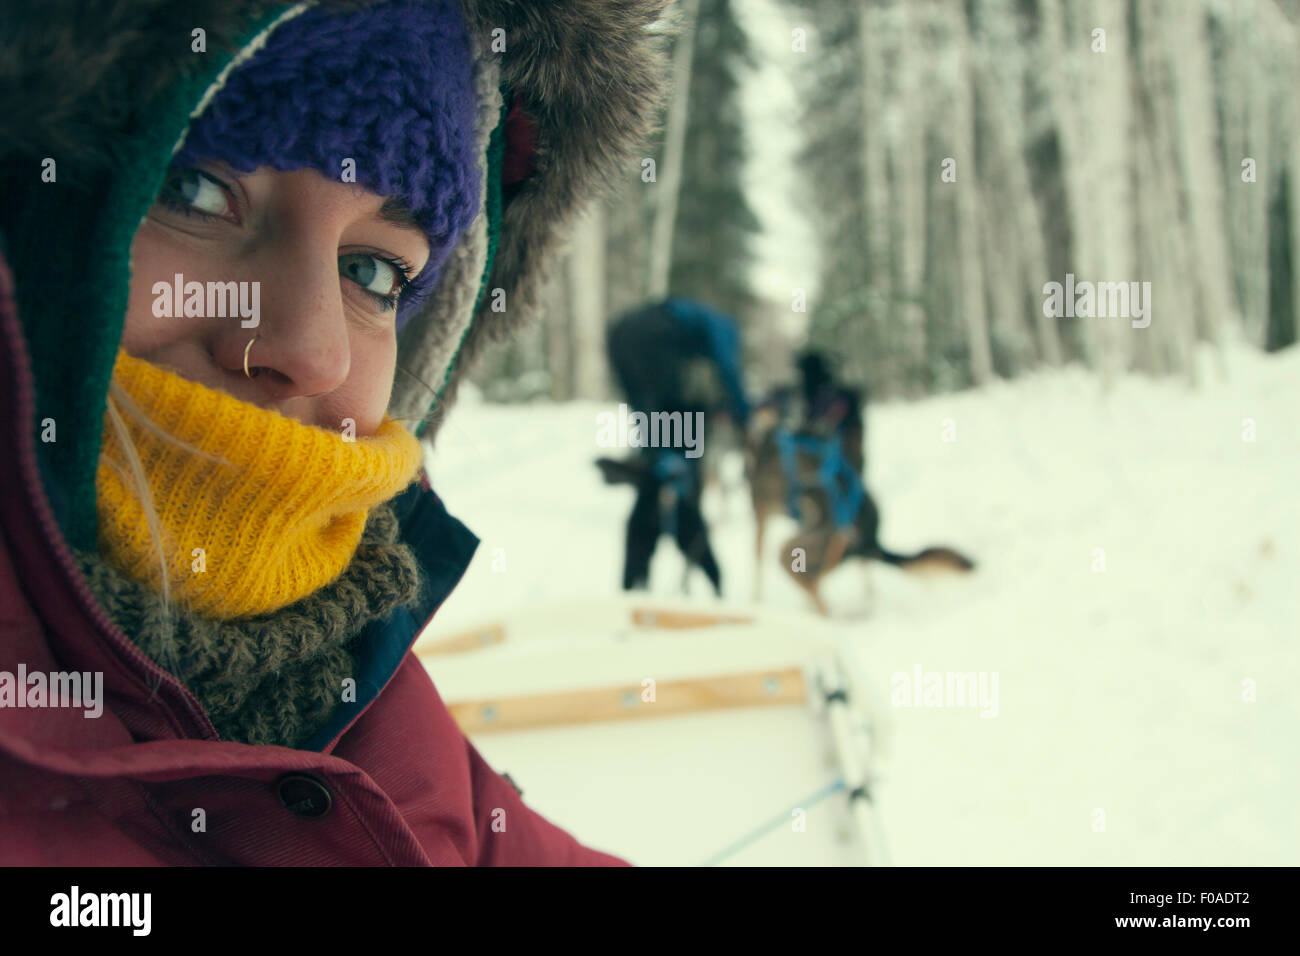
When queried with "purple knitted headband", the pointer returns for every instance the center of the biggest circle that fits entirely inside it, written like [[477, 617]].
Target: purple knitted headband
[[389, 86]]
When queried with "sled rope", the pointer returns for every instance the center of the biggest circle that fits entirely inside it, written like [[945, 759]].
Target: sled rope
[[779, 820]]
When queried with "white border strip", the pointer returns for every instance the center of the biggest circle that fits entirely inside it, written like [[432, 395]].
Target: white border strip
[[239, 59]]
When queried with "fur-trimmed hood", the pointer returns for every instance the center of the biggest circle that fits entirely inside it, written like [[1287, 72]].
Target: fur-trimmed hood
[[101, 90]]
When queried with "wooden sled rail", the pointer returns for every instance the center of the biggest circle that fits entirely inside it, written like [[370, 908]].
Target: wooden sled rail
[[463, 641], [784, 686], [642, 617], [681, 620]]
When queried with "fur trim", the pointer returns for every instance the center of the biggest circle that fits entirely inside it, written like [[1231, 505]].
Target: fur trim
[[593, 78], [429, 343], [73, 72]]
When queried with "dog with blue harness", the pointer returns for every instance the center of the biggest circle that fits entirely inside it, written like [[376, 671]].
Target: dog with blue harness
[[804, 457], [834, 475]]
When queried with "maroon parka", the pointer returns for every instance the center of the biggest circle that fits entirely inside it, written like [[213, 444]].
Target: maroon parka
[[93, 107], [147, 782]]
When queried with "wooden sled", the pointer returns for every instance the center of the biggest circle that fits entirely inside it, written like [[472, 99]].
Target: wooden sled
[[546, 689], [598, 614]]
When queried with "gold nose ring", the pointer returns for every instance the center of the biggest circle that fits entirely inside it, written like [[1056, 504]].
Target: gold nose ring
[[246, 350]]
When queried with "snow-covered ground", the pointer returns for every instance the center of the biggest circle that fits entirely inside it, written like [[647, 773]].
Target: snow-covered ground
[[1137, 598]]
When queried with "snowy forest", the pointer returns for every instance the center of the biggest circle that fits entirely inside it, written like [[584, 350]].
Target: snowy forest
[[1063, 230], [679, 433], [947, 160]]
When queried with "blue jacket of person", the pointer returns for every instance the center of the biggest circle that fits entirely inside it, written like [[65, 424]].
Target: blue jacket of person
[[723, 343]]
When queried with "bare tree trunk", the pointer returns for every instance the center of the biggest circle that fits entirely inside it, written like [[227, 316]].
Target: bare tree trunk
[[1197, 132], [558, 322], [969, 213], [1244, 95], [1278, 25], [1293, 178], [910, 183], [1000, 261], [1004, 122], [1169, 343], [586, 274], [1277, 67], [669, 177], [628, 219], [1110, 117], [1170, 340], [1059, 65], [875, 172]]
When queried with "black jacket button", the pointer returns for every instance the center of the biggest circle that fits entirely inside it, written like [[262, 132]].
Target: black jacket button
[[304, 796]]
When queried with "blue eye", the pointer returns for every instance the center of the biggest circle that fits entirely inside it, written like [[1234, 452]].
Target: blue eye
[[195, 192], [384, 279], [371, 273]]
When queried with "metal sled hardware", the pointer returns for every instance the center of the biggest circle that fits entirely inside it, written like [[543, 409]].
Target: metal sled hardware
[[684, 690]]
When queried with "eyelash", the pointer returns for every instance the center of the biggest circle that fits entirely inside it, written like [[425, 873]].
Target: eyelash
[[404, 274], [387, 303]]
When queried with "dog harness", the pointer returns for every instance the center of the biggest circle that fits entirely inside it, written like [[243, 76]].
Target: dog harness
[[672, 470], [835, 475]]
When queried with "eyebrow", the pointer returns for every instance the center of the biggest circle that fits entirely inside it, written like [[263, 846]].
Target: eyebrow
[[394, 211]]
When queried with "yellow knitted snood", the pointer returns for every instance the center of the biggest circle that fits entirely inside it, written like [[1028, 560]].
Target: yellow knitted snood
[[281, 520]]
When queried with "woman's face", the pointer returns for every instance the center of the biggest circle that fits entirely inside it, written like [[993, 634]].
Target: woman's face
[[330, 261]]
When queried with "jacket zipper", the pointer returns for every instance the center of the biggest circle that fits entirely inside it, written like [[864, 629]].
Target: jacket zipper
[[63, 553]]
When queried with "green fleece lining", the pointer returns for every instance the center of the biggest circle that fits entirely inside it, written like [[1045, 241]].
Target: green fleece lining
[[84, 283]]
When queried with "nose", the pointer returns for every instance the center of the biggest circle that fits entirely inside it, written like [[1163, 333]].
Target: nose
[[297, 328]]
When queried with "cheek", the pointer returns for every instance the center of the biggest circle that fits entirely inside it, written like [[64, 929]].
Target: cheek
[[370, 379], [153, 259]]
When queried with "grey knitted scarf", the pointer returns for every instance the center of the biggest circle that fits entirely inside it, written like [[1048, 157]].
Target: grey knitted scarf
[[275, 678]]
